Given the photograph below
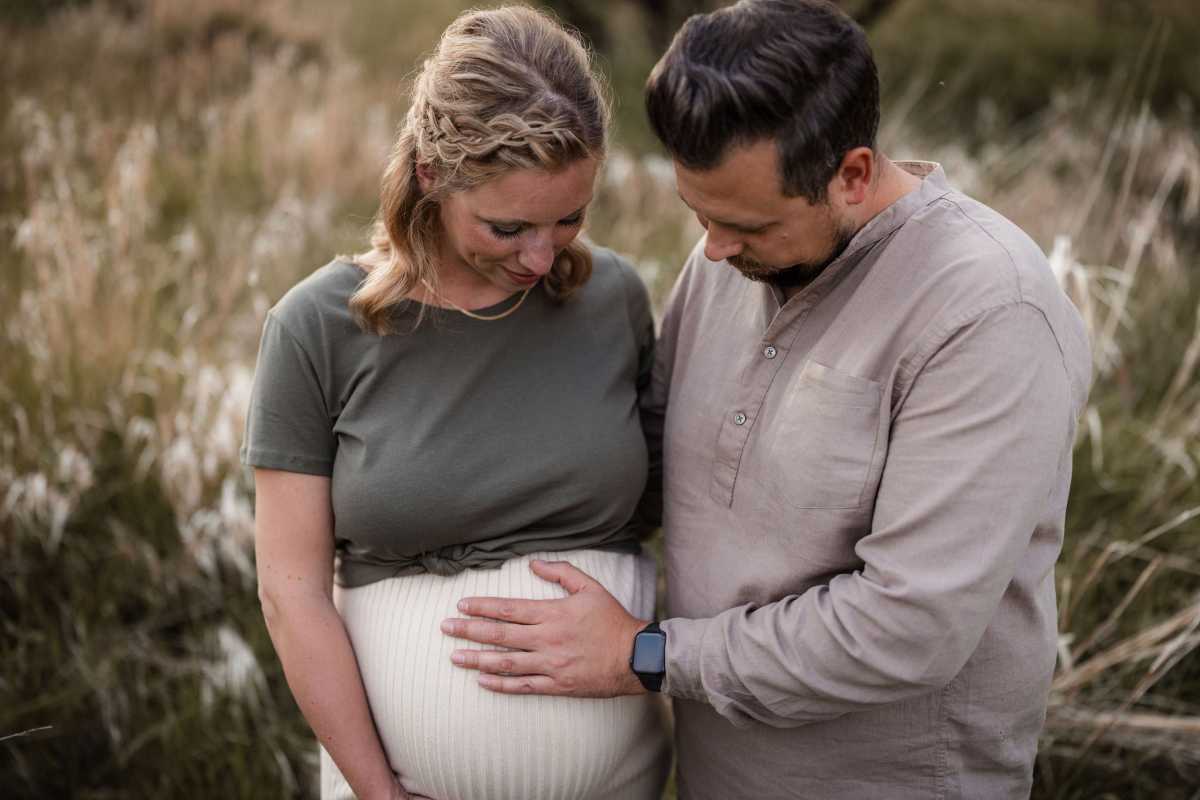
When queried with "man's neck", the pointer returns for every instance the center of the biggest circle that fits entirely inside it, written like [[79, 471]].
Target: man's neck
[[894, 183]]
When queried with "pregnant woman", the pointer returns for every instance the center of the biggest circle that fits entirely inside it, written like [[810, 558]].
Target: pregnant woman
[[432, 414]]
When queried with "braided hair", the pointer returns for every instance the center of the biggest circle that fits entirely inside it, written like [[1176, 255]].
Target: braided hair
[[505, 89]]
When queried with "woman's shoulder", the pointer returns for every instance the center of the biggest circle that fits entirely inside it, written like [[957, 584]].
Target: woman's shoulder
[[616, 276], [320, 300], [616, 273]]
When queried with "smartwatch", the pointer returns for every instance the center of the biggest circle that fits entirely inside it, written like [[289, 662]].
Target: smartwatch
[[649, 658]]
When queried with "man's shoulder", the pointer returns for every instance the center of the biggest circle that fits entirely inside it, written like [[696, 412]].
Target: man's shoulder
[[969, 260], [983, 254]]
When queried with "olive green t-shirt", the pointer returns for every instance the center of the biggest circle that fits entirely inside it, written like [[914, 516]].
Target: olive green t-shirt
[[460, 442]]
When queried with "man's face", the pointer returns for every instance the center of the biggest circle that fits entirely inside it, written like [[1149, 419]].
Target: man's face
[[752, 225]]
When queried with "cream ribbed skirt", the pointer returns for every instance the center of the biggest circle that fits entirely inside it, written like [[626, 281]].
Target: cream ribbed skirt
[[451, 740]]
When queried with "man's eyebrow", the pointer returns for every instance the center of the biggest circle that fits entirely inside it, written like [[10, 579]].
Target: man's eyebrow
[[497, 221], [739, 225]]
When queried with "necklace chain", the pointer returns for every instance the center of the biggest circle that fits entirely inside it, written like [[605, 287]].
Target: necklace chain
[[472, 314]]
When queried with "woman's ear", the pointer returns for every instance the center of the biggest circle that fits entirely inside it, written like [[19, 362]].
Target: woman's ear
[[426, 177]]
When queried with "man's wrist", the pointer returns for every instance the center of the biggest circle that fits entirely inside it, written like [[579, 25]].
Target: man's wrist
[[648, 657], [628, 683]]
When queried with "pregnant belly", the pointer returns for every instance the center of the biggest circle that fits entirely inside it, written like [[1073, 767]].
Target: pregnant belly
[[451, 740]]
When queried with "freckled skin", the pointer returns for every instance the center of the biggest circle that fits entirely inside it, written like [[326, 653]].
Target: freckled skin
[[293, 543], [476, 266]]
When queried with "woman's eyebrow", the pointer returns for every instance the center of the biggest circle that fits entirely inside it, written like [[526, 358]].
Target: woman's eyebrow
[[497, 221]]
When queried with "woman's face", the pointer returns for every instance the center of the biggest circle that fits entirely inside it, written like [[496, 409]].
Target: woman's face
[[510, 230]]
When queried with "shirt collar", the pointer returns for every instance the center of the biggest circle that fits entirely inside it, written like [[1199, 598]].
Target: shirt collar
[[933, 187]]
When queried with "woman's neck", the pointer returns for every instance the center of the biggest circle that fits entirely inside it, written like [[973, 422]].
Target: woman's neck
[[460, 285]]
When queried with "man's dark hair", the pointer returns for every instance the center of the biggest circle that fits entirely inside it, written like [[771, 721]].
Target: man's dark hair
[[796, 71]]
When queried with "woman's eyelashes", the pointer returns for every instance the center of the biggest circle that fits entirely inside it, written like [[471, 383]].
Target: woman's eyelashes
[[506, 233], [509, 231]]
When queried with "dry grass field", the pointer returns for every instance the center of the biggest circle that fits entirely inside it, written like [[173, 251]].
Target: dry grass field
[[169, 168]]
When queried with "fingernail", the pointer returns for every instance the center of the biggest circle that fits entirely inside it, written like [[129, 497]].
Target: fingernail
[[458, 657], [447, 626], [463, 605]]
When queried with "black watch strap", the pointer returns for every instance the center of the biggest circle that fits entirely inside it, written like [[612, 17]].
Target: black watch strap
[[649, 658]]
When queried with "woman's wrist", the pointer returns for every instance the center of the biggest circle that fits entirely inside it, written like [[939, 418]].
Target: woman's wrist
[[390, 791]]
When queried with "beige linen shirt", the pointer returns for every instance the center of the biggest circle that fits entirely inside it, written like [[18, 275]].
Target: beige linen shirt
[[865, 489]]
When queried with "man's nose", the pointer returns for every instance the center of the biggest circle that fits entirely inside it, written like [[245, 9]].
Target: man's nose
[[719, 245], [537, 255]]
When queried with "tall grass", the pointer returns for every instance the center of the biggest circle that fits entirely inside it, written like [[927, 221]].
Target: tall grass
[[1114, 195], [168, 169]]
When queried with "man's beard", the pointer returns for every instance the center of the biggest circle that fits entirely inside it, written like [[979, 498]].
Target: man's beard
[[799, 274]]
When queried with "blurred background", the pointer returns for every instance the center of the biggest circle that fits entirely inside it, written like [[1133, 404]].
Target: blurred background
[[168, 168]]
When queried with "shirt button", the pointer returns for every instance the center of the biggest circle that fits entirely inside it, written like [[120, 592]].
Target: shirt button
[[770, 352], [739, 418]]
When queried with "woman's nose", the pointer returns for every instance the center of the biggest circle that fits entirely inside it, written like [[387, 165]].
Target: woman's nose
[[537, 255]]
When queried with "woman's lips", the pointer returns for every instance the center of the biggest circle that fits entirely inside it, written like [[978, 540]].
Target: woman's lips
[[521, 278]]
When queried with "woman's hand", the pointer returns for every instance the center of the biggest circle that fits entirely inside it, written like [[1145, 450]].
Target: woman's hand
[[397, 792]]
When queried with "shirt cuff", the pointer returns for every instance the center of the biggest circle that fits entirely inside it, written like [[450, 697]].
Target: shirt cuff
[[685, 638]]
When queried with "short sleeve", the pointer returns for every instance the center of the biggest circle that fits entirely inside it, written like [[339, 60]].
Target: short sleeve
[[288, 425]]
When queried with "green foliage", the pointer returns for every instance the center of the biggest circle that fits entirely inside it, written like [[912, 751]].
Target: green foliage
[[33, 12], [168, 170], [113, 640], [991, 64], [1130, 481]]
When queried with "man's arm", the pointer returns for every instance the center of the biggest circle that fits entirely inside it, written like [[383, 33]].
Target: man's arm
[[976, 450], [654, 397], [558, 636]]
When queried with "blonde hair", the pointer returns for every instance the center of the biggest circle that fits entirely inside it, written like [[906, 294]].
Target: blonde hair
[[506, 89]]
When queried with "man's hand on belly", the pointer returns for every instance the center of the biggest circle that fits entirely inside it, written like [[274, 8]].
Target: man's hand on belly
[[578, 645]]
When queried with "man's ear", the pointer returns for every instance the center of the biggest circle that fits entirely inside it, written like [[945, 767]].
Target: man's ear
[[426, 177], [854, 177]]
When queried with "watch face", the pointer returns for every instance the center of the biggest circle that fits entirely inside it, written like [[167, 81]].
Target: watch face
[[650, 653]]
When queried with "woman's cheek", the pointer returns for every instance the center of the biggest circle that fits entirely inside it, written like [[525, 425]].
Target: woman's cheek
[[565, 237], [489, 247]]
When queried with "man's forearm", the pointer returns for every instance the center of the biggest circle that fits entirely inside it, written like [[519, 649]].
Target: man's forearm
[[975, 452]]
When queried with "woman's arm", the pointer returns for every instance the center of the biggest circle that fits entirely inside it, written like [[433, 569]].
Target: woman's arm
[[294, 551]]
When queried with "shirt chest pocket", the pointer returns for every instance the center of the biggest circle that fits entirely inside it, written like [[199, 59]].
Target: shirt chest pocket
[[820, 444]]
